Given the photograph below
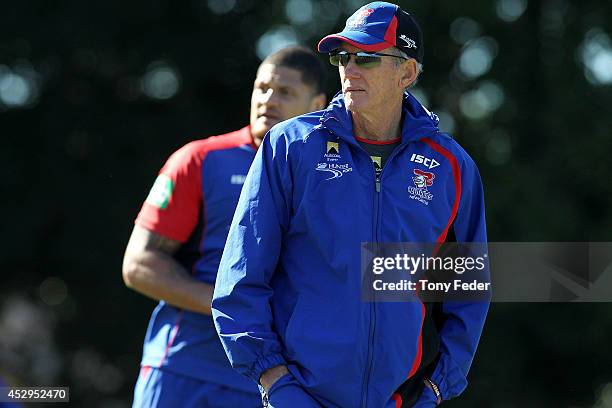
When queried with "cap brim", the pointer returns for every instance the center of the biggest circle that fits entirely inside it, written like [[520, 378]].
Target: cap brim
[[357, 38]]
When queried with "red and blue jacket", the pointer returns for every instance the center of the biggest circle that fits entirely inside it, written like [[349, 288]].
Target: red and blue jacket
[[288, 287], [200, 185]]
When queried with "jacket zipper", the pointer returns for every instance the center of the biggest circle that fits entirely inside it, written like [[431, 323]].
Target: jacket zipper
[[376, 236], [372, 325], [376, 225]]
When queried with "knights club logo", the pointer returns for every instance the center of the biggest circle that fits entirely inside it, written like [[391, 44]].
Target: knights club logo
[[359, 18], [422, 180]]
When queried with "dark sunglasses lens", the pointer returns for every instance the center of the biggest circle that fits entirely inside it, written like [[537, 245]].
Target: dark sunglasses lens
[[339, 59], [367, 61], [334, 59]]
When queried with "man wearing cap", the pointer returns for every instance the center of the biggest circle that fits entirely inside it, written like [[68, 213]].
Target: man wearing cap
[[372, 167]]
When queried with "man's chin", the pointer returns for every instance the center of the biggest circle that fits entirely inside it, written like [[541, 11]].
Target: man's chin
[[354, 104], [267, 123], [261, 127]]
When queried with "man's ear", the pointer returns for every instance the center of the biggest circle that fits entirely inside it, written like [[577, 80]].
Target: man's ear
[[410, 72], [318, 102]]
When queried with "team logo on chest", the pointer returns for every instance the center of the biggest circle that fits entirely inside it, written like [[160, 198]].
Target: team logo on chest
[[331, 165], [422, 180]]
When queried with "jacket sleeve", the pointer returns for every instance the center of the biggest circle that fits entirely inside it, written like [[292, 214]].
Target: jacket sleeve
[[241, 300], [463, 321]]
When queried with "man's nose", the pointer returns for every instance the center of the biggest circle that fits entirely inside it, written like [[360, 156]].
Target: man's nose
[[269, 98], [351, 69]]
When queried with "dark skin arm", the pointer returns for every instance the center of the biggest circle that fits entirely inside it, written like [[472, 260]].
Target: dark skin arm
[[149, 268]]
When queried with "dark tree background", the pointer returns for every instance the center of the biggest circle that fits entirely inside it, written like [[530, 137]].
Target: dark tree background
[[95, 95]]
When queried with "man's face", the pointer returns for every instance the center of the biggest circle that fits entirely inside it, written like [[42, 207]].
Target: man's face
[[368, 90], [279, 94]]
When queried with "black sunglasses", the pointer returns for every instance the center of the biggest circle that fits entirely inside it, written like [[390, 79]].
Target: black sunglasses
[[362, 59]]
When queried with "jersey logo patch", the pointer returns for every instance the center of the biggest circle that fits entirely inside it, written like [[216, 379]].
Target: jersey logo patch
[[335, 170], [238, 179], [332, 151], [377, 160], [331, 165], [422, 180], [359, 18], [161, 192], [333, 148], [425, 161]]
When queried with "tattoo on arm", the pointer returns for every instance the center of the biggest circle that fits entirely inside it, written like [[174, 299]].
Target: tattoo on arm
[[149, 267], [161, 243], [144, 239]]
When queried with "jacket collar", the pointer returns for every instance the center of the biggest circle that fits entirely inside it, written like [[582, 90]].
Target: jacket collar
[[417, 120]]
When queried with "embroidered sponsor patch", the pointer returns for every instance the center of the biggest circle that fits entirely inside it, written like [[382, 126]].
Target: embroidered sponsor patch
[[334, 170], [161, 192], [238, 179], [377, 160], [331, 166], [332, 151], [333, 148]]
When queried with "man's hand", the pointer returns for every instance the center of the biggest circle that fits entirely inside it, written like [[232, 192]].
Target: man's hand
[[270, 376], [283, 391], [149, 268]]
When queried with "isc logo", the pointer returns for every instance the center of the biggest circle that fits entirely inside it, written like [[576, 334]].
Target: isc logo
[[429, 163]]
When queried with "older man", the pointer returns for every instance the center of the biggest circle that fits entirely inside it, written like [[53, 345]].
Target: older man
[[176, 245], [287, 300]]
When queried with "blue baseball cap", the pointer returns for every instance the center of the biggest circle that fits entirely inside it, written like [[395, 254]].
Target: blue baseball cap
[[377, 26]]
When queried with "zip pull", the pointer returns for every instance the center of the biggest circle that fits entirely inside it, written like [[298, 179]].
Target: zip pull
[[377, 162]]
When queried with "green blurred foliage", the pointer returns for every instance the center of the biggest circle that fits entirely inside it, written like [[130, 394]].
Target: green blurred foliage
[[80, 158]]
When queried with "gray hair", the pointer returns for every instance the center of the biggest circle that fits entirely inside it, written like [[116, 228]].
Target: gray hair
[[398, 62]]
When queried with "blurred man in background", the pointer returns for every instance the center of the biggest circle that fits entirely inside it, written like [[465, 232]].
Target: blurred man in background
[[287, 301], [176, 245]]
